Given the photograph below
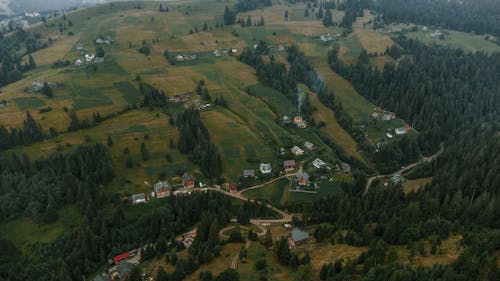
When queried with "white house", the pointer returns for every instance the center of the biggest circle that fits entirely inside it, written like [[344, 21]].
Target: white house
[[297, 151], [78, 62], [318, 163], [138, 198], [265, 168], [309, 145], [89, 57], [401, 131], [389, 135]]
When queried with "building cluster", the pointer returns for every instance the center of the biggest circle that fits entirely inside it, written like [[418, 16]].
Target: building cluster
[[383, 115], [219, 53]]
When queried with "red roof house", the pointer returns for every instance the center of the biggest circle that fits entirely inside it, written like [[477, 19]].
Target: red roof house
[[289, 165], [121, 257]]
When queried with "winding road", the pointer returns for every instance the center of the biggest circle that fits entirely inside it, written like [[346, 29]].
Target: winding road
[[404, 169]]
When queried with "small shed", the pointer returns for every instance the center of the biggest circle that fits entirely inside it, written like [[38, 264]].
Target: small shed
[[289, 165], [248, 173], [298, 236], [138, 198]]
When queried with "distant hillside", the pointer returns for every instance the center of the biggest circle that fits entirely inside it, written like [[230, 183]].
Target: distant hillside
[[19, 6]]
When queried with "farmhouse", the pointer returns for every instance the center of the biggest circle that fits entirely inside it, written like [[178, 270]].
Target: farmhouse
[[298, 237], [318, 163], [233, 188], [401, 131], [302, 125], [78, 63], [138, 198], [122, 257], [187, 180], [289, 165], [248, 173], [297, 119], [265, 168], [309, 145], [303, 179], [162, 189], [297, 151]]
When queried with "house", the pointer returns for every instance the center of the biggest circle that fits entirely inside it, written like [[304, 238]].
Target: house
[[89, 57], [297, 119], [234, 51], [187, 180], [375, 115], [318, 163], [401, 131], [346, 168], [302, 179], [309, 145], [37, 85], [302, 125], [298, 237], [79, 47], [162, 189], [78, 63], [297, 151], [99, 60], [217, 53], [121, 257], [179, 58], [289, 165], [248, 173], [102, 277], [138, 198], [286, 120], [99, 41], [233, 188], [281, 48], [265, 168], [389, 135]]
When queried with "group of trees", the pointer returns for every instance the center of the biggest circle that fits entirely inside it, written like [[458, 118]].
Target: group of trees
[[436, 89], [30, 132], [37, 189], [12, 50], [479, 16], [152, 97], [195, 141]]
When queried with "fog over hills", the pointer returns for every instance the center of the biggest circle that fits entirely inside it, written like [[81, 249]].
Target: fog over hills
[[19, 6]]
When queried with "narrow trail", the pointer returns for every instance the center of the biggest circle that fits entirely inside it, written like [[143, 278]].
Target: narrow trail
[[405, 169], [234, 261]]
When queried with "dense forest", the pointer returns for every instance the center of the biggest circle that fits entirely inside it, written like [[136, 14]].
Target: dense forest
[[462, 198], [435, 89], [195, 140], [12, 50], [479, 16]]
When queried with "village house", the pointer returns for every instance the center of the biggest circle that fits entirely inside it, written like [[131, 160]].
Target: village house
[[187, 180], [303, 179], [124, 256], [389, 135], [217, 53], [99, 60], [79, 47], [298, 237], [138, 198], [401, 131], [286, 120], [265, 168], [102, 277], [162, 189], [248, 173], [78, 63], [318, 163], [297, 119], [281, 48], [123, 270], [396, 178], [89, 57], [37, 85], [289, 165], [99, 41], [302, 125], [233, 188], [309, 145], [297, 151]]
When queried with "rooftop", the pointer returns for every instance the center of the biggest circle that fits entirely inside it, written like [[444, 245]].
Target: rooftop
[[299, 235]]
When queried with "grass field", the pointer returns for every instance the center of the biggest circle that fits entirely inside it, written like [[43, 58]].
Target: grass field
[[24, 231], [414, 185]]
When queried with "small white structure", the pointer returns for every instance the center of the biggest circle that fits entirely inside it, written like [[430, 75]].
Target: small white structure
[[99, 41], [79, 47], [217, 53], [309, 145], [265, 168], [401, 131], [389, 135], [234, 51], [179, 58], [281, 48], [297, 151], [318, 163], [37, 85], [138, 198], [78, 63], [89, 57]]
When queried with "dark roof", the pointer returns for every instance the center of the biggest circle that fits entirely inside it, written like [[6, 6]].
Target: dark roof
[[289, 163], [186, 177], [103, 277], [303, 176], [299, 235], [248, 173], [124, 268], [141, 196]]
